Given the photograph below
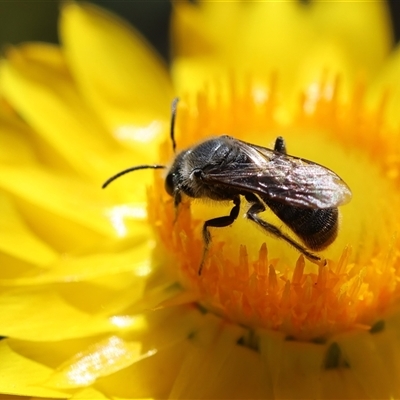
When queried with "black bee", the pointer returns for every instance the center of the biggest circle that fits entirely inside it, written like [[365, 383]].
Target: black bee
[[304, 195]]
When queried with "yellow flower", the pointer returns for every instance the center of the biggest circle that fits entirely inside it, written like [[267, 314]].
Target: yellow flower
[[96, 302]]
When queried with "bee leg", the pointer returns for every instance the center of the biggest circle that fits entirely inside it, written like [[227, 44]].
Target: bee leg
[[257, 208], [219, 222], [177, 201], [280, 145]]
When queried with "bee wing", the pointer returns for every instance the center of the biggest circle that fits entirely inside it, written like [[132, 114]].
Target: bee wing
[[291, 180]]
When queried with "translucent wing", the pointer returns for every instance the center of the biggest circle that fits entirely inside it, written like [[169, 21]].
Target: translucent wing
[[274, 176]]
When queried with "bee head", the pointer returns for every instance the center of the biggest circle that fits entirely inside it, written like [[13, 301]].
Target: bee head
[[182, 177]]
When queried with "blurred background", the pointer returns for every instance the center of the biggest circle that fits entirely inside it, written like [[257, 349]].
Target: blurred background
[[37, 20], [33, 20]]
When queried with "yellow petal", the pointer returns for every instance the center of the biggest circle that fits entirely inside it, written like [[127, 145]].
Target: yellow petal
[[385, 90], [89, 393], [199, 30], [98, 360], [87, 268], [45, 54], [356, 347], [299, 362], [70, 135], [126, 398], [288, 30], [340, 382], [49, 315], [202, 41], [140, 381], [18, 241], [277, 36], [168, 332], [22, 376], [15, 144], [365, 33], [90, 301], [75, 212], [117, 71], [215, 344]]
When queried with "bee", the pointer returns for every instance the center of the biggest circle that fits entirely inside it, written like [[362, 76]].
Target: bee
[[304, 195]]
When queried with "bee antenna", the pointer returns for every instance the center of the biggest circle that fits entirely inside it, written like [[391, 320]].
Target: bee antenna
[[173, 116], [125, 171]]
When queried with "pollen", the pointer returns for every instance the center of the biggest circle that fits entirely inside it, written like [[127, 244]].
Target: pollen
[[257, 280]]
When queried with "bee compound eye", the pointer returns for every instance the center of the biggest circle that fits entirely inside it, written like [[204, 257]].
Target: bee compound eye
[[169, 184]]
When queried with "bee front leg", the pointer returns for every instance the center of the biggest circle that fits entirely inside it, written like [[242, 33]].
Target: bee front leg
[[177, 201], [257, 208], [219, 222]]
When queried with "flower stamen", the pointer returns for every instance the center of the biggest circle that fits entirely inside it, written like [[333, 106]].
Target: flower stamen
[[269, 285]]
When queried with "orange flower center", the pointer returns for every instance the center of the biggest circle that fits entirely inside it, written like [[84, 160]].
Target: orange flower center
[[258, 280]]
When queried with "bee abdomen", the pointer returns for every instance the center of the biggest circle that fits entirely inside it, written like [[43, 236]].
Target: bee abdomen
[[317, 228]]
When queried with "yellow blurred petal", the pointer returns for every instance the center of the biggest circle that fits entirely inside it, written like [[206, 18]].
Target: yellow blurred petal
[[42, 53], [323, 62], [167, 332], [356, 347], [323, 65], [75, 139], [300, 363], [200, 369], [170, 326], [150, 377], [200, 42], [207, 29], [24, 377], [155, 296], [185, 297], [118, 72], [258, 30], [387, 348], [271, 344], [281, 29], [43, 314], [99, 360], [85, 268], [277, 36], [128, 398], [15, 144], [75, 212], [89, 393], [340, 382], [98, 287], [241, 376], [190, 74], [365, 33], [386, 87], [288, 30], [17, 240]]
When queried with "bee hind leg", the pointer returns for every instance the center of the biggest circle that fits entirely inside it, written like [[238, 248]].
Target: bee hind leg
[[257, 208], [219, 222]]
